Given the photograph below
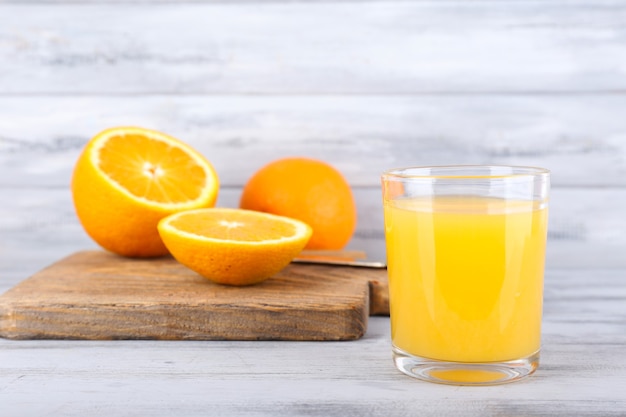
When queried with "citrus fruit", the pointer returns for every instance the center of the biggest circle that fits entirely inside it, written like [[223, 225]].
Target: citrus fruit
[[129, 178], [233, 246], [308, 190]]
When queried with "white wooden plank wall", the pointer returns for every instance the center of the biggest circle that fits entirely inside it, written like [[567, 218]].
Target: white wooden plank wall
[[364, 85]]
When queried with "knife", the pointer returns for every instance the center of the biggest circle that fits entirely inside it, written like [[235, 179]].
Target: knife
[[339, 258]]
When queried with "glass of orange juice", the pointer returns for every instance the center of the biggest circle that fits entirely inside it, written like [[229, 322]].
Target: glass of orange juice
[[465, 255]]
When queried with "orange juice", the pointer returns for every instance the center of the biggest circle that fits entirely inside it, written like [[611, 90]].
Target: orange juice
[[466, 277]]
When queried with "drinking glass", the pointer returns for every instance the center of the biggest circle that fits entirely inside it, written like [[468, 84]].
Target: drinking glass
[[465, 254]]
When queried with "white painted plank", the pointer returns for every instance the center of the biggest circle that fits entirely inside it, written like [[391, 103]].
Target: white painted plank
[[582, 139], [38, 227], [385, 47], [282, 378]]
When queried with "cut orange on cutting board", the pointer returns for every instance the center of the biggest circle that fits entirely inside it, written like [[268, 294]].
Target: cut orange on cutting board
[[233, 246], [129, 178]]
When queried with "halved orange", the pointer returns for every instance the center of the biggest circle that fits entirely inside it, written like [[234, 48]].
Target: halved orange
[[129, 178], [233, 246]]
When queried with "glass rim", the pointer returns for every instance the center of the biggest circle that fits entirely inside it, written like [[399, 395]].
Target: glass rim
[[463, 172]]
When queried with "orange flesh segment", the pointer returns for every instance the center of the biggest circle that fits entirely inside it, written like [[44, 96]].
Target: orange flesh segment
[[235, 226], [160, 172]]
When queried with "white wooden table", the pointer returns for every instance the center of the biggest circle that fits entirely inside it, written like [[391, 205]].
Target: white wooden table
[[582, 371], [365, 85]]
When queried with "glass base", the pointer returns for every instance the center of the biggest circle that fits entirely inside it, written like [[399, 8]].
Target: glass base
[[461, 373]]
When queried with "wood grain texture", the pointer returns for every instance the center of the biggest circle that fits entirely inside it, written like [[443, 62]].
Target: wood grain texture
[[577, 376], [38, 226], [582, 139], [96, 295], [396, 47]]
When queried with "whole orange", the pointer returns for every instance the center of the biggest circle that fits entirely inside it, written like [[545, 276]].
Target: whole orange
[[308, 190]]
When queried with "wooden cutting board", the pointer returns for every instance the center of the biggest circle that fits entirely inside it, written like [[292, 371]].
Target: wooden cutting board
[[98, 295]]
